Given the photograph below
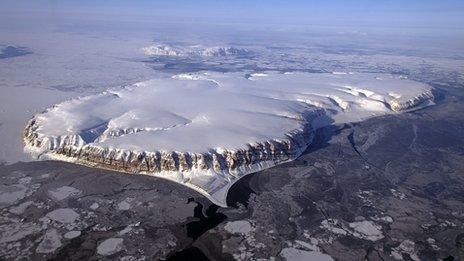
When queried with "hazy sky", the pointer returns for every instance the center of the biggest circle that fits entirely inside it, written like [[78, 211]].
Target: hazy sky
[[416, 13]]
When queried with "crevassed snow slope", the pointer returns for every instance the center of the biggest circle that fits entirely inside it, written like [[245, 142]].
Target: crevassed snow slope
[[207, 130]]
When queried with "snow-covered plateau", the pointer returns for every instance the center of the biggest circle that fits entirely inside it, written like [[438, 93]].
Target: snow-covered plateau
[[207, 130]]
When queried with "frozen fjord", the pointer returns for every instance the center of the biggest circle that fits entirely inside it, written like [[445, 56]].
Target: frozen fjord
[[207, 130]]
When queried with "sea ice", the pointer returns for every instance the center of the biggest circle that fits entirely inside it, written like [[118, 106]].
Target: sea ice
[[110, 246], [293, 254], [63, 192], [367, 229], [63, 215], [239, 227], [50, 242], [72, 234], [11, 194]]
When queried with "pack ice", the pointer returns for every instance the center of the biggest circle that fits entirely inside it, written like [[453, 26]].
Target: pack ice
[[207, 130]]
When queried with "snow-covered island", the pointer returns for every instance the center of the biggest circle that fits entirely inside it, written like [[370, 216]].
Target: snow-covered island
[[193, 50], [207, 130]]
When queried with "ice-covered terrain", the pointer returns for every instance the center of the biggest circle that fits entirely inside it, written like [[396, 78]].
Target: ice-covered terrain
[[194, 50], [207, 130], [77, 58], [57, 66]]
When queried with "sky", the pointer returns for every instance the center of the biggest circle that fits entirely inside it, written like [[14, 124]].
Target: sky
[[386, 13]]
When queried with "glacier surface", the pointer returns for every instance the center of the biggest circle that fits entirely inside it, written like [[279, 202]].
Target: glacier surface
[[207, 130]]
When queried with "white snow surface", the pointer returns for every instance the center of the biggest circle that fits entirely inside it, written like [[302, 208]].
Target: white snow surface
[[367, 229], [193, 50], [239, 227], [110, 246], [210, 111], [293, 254]]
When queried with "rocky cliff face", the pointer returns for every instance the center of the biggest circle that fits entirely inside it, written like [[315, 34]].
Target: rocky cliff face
[[218, 160], [425, 97]]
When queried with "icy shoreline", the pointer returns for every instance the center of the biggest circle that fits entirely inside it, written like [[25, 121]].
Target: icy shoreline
[[208, 130]]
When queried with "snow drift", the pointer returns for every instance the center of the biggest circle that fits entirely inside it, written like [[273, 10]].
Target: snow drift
[[208, 130]]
